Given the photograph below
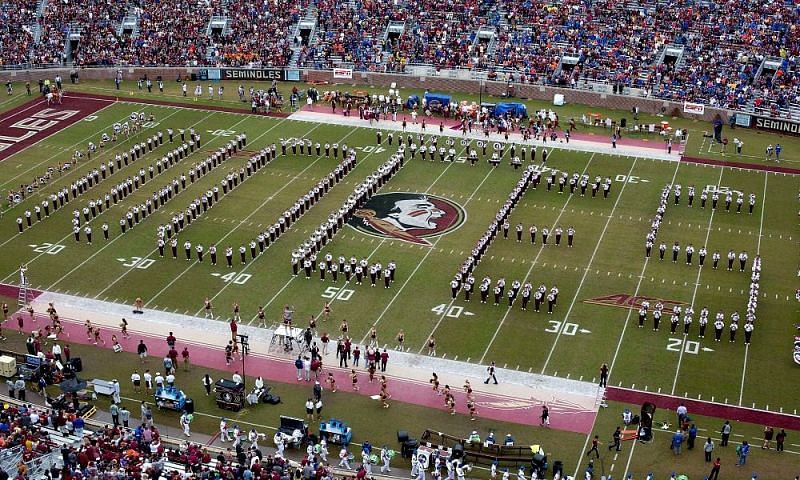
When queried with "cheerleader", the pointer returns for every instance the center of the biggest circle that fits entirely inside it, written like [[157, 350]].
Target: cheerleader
[[331, 381], [434, 381]]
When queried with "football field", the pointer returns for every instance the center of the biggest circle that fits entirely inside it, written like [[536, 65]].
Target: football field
[[602, 280]]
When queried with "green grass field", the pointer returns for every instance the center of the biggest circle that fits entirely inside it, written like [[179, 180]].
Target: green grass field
[[607, 259]]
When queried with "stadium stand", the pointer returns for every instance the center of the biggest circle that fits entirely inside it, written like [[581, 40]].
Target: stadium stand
[[39, 441], [727, 53]]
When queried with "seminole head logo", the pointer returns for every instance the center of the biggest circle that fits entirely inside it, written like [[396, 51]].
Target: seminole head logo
[[411, 217]]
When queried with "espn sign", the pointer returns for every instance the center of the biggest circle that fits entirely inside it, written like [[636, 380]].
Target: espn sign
[[778, 126], [346, 73]]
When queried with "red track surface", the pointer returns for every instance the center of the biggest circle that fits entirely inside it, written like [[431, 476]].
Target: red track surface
[[563, 416], [710, 409], [35, 121]]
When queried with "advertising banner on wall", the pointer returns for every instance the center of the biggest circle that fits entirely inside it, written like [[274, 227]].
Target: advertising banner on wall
[[694, 108], [345, 73], [258, 74], [777, 125]]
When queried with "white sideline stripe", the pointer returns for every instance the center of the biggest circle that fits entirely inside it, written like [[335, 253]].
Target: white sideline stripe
[[584, 146], [252, 261], [758, 252], [239, 224], [103, 248], [533, 264], [586, 271], [696, 286]]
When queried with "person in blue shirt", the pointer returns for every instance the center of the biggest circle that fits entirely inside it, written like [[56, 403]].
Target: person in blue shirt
[[743, 451], [509, 441], [692, 436], [778, 149], [677, 440], [78, 424]]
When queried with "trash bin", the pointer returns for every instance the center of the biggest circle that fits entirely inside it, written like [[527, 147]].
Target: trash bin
[[188, 406]]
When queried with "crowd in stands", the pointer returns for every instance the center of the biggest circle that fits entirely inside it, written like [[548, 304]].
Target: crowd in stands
[[260, 33], [17, 19], [121, 452], [724, 41]]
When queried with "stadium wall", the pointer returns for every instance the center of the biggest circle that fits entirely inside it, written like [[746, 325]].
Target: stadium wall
[[523, 91]]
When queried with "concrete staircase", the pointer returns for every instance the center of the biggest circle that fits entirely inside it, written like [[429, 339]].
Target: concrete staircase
[[129, 24], [307, 23]]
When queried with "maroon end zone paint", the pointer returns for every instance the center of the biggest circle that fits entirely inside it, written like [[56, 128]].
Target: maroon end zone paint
[[34, 121], [745, 166], [701, 407]]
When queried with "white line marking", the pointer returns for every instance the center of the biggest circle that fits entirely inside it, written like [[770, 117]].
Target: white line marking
[[585, 272], [635, 293], [694, 294], [758, 252], [533, 264]]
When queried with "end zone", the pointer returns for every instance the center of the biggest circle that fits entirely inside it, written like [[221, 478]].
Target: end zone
[[35, 121]]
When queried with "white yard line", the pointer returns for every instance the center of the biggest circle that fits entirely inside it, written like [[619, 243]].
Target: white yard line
[[253, 261], [239, 224], [630, 457], [108, 244], [763, 207], [586, 270], [530, 269], [758, 252], [694, 294], [635, 293]]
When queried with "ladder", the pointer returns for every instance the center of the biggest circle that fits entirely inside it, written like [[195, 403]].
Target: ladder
[[22, 296]]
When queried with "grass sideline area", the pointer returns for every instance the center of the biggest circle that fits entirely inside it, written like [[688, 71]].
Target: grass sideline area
[[755, 141], [598, 278], [379, 426]]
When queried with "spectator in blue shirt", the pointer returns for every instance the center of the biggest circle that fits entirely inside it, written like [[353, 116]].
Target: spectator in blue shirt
[[677, 440], [743, 451]]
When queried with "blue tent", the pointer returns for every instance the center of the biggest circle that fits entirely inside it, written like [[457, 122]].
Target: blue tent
[[515, 109], [431, 99], [412, 100]]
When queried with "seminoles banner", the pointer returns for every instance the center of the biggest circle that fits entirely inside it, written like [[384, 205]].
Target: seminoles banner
[[343, 73], [259, 74], [694, 108], [776, 125]]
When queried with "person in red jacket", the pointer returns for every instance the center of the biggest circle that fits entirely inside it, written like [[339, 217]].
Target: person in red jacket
[[715, 470]]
